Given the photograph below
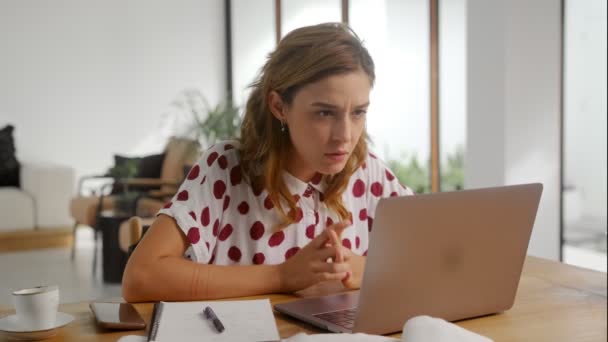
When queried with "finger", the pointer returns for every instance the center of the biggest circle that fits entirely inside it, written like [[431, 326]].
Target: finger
[[327, 252], [321, 240], [325, 276], [335, 240], [323, 267], [339, 227]]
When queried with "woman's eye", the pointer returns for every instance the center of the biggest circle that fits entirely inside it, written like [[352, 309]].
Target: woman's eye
[[360, 112], [324, 113]]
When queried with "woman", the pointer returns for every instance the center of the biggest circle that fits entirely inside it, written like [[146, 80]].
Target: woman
[[291, 203]]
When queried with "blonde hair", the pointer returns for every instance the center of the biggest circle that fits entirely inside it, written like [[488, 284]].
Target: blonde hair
[[303, 56]]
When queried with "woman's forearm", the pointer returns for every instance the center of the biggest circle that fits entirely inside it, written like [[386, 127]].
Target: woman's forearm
[[177, 279]]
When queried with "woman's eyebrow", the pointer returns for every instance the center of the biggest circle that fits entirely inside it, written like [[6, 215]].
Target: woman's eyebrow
[[324, 105], [331, 106]]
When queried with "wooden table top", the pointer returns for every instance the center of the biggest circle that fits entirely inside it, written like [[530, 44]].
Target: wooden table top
[[555, 302]]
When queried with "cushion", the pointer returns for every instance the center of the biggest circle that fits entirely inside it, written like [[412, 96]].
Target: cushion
[[144, 167], [9, 166], [16, 211]]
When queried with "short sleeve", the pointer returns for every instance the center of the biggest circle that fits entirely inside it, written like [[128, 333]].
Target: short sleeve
[[197, 206], [382, 183]]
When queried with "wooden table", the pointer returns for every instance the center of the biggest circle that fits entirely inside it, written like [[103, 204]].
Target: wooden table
[[555, 302]]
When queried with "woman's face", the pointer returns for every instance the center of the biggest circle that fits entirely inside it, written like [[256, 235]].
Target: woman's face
[[324, 121]]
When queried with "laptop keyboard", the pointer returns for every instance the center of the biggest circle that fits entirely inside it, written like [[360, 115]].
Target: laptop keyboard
[[343, 318]]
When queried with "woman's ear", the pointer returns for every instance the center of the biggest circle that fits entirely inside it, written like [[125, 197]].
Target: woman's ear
[[276, 105]]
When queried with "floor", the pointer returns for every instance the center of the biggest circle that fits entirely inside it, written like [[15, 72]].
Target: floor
[[53, 267]]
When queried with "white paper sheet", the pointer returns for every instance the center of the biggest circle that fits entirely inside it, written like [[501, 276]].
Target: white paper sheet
[[243, 320]]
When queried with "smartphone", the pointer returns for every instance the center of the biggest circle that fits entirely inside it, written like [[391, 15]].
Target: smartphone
[[117, 316]]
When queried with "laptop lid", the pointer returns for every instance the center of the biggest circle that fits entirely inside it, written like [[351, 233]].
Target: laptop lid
[[451, 255]]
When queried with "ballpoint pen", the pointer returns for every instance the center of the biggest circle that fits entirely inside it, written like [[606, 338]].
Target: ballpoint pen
[[209, 314]]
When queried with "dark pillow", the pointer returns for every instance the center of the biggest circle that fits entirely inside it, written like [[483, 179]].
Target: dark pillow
[[139, 167], [9, 166], [150, 166]]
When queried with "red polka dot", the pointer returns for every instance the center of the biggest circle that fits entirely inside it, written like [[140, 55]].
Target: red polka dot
[[394, 194], [358, 188], [365, 253], [291, 252], [370, 222], [219, 187], [168, 205], [234, 253], [316, 217], [346, 243], [225, 233], [222, 162], [364, 165], [182, 196], [276, 239], [257, 230], [226, 202], [310, 231], [258, 258], [212, 157], [373, 155], [296, 198], [193, 215], [212, 259], [207, 244], [316, 179], [193, 235], [363, 214], [308, 191], [216, 227], [228, 147], [357, 242], [203, 180], [235, 175], [205, 218], [389, 175], [329, 222], [243, 208], [268, 203], [298, 215], [376, 189], [194, 172]]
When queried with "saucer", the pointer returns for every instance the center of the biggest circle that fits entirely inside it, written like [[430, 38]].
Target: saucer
[[10, 326]]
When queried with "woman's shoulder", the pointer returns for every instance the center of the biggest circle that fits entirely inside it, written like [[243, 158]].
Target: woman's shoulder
[[372, 164], [224, 147], [225, 152]]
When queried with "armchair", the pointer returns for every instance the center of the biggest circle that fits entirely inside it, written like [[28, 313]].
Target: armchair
[[179, 154]]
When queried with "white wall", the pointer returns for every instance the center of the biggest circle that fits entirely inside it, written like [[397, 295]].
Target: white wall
[[513, 98], [82, 80]]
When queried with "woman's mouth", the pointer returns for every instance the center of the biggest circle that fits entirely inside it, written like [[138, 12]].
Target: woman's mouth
[[337, 156]]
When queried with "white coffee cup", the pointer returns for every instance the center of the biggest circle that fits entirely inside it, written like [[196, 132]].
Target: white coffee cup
[[37, 307]]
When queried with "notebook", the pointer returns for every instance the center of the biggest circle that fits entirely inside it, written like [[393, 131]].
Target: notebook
[[243, 320]]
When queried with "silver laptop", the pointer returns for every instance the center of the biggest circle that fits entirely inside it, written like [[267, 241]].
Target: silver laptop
[[452, 255]]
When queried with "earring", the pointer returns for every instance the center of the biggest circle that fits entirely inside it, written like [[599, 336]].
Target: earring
[[282, 127]]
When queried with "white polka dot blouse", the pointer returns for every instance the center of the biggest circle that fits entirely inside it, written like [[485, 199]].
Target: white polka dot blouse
[[227, 222]]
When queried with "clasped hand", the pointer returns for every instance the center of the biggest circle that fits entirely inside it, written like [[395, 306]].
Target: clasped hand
[[323, 259]]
